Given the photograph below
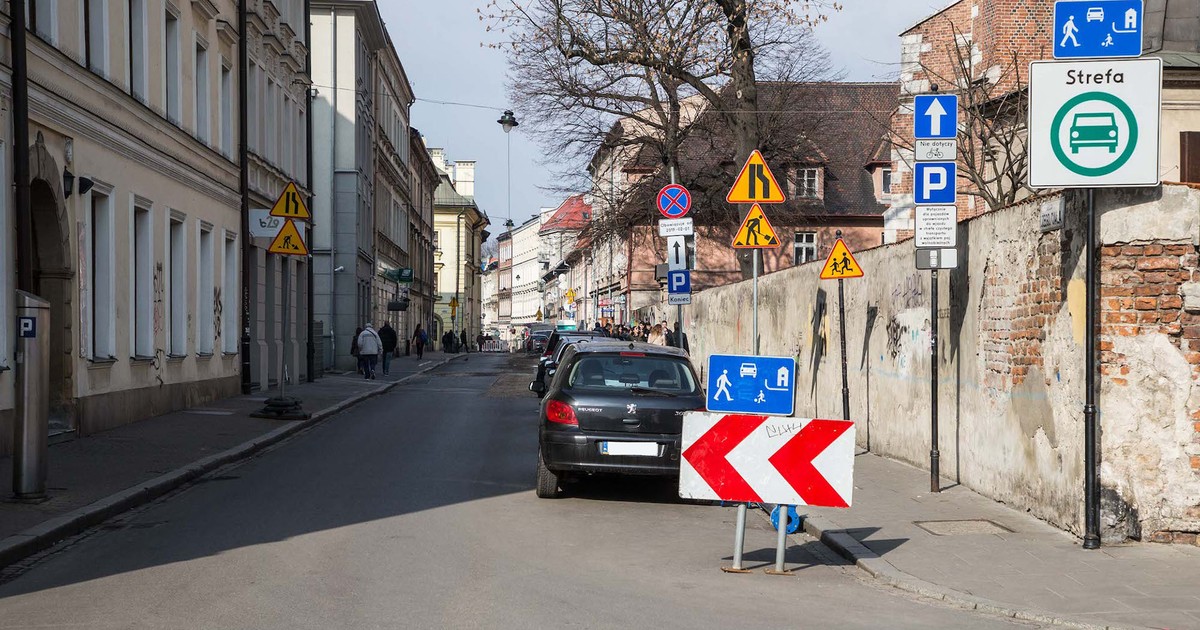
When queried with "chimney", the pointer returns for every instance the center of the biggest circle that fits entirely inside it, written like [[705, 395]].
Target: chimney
[[439, 158], [464, 177]]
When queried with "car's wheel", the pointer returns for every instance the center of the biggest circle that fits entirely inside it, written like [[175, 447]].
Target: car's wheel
[[547, 480]]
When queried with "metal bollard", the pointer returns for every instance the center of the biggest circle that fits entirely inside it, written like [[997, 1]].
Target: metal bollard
[[33, 397]]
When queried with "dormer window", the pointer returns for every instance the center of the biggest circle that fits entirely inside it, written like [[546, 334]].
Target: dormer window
[[886, 188], [808, 182]]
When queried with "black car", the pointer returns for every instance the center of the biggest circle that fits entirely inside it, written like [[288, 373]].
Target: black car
[[554, 348], [614, 407]]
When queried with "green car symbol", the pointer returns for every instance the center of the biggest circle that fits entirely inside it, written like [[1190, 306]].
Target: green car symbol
[[1093, 130]]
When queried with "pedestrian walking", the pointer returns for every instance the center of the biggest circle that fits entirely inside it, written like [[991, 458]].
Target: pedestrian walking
[[354, 348], [657, 336], [681, 339], [479, 339], [466, 346], [419, 339], [390, 341], [369, 347]]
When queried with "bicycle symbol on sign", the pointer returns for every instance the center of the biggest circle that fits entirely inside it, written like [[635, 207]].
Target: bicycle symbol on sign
[[934, 152]]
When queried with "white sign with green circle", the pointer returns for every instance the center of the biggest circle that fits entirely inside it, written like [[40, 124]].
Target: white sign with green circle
[[1094, 123]]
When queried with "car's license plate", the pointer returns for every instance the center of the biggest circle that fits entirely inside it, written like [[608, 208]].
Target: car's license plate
[[629, 448]]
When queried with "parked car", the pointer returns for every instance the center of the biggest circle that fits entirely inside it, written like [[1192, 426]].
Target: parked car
[[614, 407], [554, 347], [536, 342]]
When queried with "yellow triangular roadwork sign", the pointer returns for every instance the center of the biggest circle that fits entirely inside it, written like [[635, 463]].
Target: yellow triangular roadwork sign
[[288, 241], [290, 204], [840, 264], [756, 231], [756, 183]]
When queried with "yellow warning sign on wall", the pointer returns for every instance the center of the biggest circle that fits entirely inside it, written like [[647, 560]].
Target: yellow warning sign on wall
[[288, 242], [290, 204], [756, 231], [840, 264], [756, 183]]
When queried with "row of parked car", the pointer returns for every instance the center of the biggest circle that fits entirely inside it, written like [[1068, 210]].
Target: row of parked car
[[609, 407]]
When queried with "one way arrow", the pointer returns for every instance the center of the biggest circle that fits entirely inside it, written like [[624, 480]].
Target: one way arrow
[[677, 258], [935, 111], [794, 461]]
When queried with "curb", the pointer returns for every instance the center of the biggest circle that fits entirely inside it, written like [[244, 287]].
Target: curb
[[835, 537], [19, 546]]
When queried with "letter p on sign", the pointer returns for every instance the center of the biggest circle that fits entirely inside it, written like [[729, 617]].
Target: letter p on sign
[[679, 281], [934, 183]]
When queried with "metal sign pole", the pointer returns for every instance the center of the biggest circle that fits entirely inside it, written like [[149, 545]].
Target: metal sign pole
[[842, 329], [934, 456], [1091, 479], [739, 534]]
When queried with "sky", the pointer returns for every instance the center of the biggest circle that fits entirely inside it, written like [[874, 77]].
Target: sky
[[440, 45]]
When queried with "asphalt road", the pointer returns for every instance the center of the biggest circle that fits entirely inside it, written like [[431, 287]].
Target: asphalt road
[[416, 510]]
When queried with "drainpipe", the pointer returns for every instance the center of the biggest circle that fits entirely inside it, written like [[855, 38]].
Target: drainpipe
[[20, 79], [308, 149], [244, 184]]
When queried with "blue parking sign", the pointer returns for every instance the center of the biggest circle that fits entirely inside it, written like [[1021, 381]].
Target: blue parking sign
[[1086, 29], [934, 183], [679, 281], [750, 384]]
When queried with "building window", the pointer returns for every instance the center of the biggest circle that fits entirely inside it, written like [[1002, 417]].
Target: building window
[[171, 69], [804, 247], [271, 122], [229, 295], [887, 181], [137, 49], [101, 280], [202, 95], [206, 293], [95, 36], [255, 111], [807, 182], [177, 272], [143, 279], [42, 19], [226, 100]]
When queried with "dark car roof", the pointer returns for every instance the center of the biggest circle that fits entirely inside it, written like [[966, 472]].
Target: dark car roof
[[614, 345]]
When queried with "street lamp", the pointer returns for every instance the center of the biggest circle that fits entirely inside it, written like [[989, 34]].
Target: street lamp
[[509, 122]]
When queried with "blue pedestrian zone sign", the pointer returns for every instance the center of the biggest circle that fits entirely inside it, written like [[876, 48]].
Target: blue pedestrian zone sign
[[748, 384], [935, 116], [1086, 29]]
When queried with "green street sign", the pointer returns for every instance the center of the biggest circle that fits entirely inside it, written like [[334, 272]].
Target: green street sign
[[1094, 123]]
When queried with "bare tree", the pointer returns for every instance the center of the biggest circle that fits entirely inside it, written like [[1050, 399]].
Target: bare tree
[[600, 60], [992, 159]]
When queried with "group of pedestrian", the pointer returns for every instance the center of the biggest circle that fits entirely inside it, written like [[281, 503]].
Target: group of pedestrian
[[372, 347], [658, 334]]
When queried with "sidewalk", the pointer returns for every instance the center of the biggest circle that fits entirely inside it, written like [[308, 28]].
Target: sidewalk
[[1033, 571], [93, 478]]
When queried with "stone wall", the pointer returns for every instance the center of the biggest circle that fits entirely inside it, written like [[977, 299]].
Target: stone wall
[[1011, 353]]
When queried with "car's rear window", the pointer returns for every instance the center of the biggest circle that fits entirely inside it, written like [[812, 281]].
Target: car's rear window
[[629, 370]]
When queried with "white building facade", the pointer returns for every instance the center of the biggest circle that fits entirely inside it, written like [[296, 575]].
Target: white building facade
[[527, 270]]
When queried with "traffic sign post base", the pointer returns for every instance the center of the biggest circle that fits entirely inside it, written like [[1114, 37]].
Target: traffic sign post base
[[282, 408]]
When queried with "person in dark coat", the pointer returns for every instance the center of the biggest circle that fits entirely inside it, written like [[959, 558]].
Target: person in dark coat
[[419, 338], [354, 348], [680, 339], [463, 337], [391, 341]]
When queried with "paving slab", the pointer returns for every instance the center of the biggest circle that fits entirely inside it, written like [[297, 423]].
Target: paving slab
[[1033, 569]]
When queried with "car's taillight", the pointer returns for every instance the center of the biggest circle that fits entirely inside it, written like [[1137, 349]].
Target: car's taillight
[[560, 412]]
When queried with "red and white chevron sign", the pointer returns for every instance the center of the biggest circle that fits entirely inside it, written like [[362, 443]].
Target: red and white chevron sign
[[767, 459]]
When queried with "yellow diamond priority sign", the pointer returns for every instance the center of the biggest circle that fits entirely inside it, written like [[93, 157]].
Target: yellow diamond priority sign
[[290, 204], [288, 242], [841, 264]]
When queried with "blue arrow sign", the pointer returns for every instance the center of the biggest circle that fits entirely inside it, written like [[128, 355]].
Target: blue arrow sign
[[679, 281], [934, 183], [935, 116], [748, 384], [1097, 28]]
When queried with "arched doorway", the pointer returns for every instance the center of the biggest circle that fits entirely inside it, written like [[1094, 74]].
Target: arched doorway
[[53, 274]]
